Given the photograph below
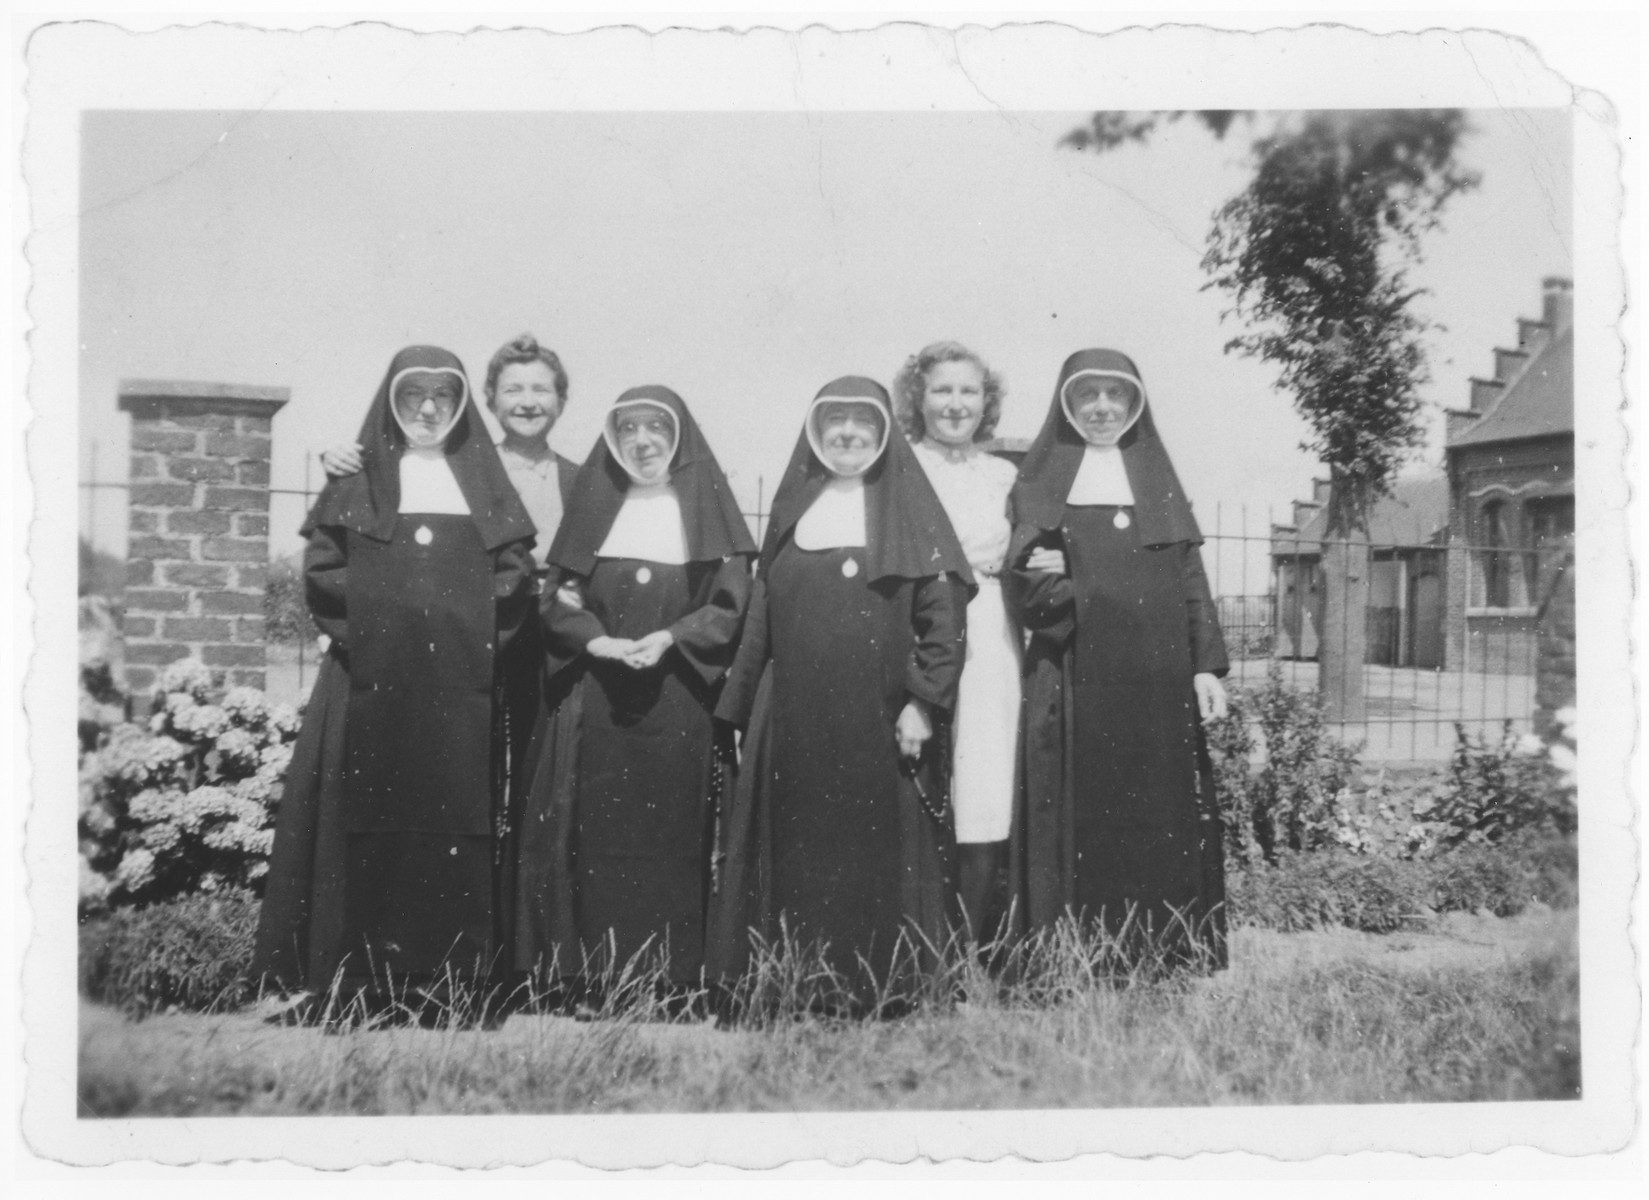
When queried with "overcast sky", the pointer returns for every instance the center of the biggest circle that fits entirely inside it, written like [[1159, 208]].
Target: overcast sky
[[742, 259]]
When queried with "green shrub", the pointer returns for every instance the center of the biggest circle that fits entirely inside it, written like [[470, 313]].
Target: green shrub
[[1329, 887], [1493, 789], [1297, 796], [1380, 893], [286, 619], [185, 803], [193, 952], [1504, 878]]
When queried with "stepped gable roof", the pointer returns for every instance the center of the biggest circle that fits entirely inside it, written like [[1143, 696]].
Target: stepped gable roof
[[1540, 402], [1415, 514]]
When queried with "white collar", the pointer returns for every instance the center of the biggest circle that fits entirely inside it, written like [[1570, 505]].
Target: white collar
[[428, 484], [1102, 478], [835, 518], [648, 526]]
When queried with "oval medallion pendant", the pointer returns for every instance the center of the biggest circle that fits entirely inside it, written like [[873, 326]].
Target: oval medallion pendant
[[423, 536], [1122, 520], [644, 574], [850, 568]]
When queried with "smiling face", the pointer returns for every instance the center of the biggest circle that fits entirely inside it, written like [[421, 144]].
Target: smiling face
[[850, 435], [953, 402], [1101, 407], [525, 401], [426, 406], [646, 440]]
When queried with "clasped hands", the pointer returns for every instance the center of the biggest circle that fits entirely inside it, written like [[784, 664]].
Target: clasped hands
[[636, 653]]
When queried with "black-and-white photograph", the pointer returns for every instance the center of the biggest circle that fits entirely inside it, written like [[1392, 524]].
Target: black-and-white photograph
[[830, 606]]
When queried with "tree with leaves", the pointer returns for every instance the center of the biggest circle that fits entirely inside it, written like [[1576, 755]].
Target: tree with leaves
[[1315, 254]]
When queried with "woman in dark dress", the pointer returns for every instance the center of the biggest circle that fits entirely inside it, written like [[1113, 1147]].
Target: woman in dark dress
[[526, 389], [1117, 820], [839, 835], [383, 871], [653, 558]]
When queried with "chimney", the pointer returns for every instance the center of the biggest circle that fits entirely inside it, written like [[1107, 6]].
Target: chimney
[[1484, 392], [1508, 363], [1532, 336], [1320, 489], [1458, 422], [1558, 310]]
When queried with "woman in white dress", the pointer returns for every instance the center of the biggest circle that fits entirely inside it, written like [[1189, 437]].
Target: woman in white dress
[[948, 402]]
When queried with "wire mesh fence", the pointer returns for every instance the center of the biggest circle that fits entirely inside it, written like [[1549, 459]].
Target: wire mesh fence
[[1449, 631]]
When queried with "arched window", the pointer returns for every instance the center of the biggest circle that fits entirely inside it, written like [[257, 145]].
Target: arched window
[[1548, 521], [1496, 554]]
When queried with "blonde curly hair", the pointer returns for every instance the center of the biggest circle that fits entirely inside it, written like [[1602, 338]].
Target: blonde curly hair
[[910, 385]]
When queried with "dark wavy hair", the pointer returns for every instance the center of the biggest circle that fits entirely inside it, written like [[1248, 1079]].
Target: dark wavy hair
[[911, 383], [525, 349]]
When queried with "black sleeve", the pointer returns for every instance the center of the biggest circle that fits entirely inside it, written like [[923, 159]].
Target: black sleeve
[[738, 695], [939, 621], [512, 568], [325, 575], [708, 636], [1208, 654], [568, 625], [1044, 604]]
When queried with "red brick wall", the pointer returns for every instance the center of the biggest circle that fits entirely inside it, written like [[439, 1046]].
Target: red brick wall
[[198, 548]]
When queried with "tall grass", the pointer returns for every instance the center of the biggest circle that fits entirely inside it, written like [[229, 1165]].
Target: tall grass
[[1065, 1022]]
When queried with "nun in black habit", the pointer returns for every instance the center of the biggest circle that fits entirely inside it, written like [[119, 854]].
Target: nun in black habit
[[384, 865], [839, 834], [1117, 819], [640, 627]]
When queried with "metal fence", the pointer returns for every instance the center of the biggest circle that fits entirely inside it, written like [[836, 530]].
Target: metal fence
[[1433, 657], [1450, 631]]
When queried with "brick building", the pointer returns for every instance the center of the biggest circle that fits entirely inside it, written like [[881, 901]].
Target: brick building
[[1511, 467], [1462, 559], [1407, 533]]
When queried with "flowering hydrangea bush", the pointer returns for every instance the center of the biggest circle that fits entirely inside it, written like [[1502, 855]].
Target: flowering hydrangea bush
[[185, 803]]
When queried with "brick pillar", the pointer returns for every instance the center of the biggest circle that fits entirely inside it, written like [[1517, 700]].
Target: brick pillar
[[198, 550], [1555, 664], [1456, 648]]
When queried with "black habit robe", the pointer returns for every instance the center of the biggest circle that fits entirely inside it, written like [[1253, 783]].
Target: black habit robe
[[830, 840], [384, 862], [521, 664], [613, 845], [1116, 818]]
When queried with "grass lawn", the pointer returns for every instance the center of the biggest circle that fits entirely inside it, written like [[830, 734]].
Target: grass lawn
[[1473, 1008]]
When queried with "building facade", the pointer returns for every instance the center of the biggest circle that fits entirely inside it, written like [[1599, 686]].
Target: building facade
[[1462, 559], [1511, 468]]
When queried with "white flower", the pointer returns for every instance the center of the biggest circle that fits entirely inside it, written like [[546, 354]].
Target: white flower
[[136, 869], [247, 706], [237, 751], [188, 677], [94, 888], [203, 722], [160, 837], [283, 719], [274, 760]]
